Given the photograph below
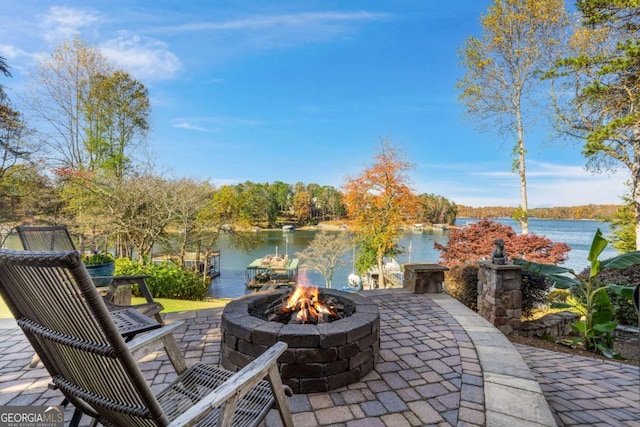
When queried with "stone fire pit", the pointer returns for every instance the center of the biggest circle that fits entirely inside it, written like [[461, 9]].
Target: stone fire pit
[[320, 357]]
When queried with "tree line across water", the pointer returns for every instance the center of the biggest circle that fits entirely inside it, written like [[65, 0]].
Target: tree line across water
[[593, 211]]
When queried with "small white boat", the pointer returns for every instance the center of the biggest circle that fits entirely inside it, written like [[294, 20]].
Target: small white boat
[[288, 228], [354, 283], [417, 228]]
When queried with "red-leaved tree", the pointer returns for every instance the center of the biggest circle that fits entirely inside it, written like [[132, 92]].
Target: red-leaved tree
[[475, 242]]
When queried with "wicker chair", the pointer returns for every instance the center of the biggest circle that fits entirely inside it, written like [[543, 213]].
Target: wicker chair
[[57, 238], [60, 311]]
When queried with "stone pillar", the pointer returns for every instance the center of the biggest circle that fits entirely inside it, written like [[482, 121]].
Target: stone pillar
[[500, 295], [423, 278]]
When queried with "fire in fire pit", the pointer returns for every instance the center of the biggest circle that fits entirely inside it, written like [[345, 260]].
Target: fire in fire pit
[[307, 305]]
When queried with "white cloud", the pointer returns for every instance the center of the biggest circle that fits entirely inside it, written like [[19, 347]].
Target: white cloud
[[284, 30], [11, 52], [548, 184], [145, 58], [182, 124], [63, 22], [573, 188], [220, 121], [299, 20]]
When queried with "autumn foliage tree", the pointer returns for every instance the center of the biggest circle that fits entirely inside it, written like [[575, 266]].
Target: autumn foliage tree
[[379, 200], [475, 242]]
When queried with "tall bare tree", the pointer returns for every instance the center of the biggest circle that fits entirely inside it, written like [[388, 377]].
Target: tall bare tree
[[58, 98], [325, 254], [141, 208], [501, 83], [192, 198]]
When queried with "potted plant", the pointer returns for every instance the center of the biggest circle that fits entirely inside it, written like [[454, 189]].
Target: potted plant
[[99, 265]]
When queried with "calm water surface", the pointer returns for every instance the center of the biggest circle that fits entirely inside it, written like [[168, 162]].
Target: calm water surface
[[233, 262]]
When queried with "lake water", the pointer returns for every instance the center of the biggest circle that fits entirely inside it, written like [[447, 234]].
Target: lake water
[[233, 262]]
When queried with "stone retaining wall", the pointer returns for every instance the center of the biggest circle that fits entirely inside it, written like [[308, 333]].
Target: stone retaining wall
[[553, 324]]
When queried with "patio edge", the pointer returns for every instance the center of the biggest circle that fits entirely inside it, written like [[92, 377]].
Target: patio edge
[[512, 394]]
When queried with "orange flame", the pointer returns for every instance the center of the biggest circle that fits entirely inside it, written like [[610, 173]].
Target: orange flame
[[305, 301]]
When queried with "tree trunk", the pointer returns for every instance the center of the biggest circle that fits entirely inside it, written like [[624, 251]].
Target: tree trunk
[[381, 283], [183, 246], [524, 220], [635, 173]]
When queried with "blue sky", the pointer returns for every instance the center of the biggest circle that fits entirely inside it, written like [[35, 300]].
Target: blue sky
[[304, 91]]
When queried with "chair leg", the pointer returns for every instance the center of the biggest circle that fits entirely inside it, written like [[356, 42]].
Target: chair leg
[[228, 409], [75, 420], [279, 394], [34, 361], [174, 353]]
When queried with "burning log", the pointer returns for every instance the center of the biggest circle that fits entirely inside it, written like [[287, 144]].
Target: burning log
[[304, 305]]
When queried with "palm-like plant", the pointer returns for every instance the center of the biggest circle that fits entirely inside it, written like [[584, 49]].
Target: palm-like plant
[[597, 324]]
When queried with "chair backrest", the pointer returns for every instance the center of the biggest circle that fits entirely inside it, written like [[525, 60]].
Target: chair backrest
[[45, 238], [60, 311]]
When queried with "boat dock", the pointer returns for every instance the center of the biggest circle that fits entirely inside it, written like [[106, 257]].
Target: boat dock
[[272, 271]]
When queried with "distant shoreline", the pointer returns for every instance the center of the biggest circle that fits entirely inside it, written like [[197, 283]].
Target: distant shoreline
[[327, 226]]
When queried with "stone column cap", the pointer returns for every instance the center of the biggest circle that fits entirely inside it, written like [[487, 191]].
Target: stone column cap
[[425, 266], [489, 264]]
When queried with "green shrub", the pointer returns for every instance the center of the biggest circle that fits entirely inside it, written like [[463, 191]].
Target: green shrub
[[535, 291], [461, 283], [625, 313], [166, 280]]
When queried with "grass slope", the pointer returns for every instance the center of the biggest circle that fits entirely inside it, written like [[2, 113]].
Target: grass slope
[[170, 305]]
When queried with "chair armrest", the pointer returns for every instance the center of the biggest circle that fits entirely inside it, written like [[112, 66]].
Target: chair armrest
[[238, 384], [148, 342], [143, 341]]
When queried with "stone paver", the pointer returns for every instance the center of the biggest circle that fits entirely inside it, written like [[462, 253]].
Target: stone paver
[[440, 364], [586, 391]]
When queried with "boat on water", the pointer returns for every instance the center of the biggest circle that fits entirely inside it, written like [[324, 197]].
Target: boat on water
[[354, 283], [417, 228], [288, 228], [272, 271]]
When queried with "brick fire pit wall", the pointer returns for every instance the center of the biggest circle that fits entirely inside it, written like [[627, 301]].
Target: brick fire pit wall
[[320, 357]]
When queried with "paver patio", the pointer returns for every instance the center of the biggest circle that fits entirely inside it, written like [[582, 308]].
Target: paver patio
[[440, 364]]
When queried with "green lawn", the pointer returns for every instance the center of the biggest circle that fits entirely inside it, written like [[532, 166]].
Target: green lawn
[[170, 305]]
